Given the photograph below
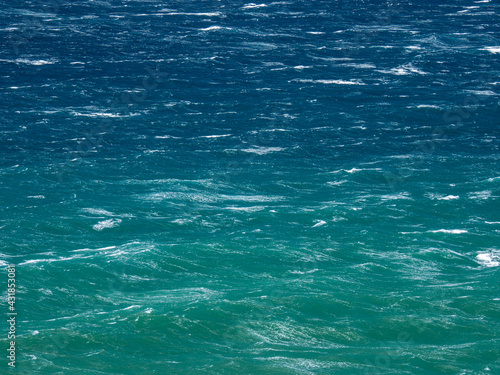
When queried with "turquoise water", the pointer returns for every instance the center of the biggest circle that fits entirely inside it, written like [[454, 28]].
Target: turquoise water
[[237, 188]]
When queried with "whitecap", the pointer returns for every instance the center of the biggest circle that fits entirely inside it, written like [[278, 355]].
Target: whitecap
[[36, 62], [480, 194], [215, 136], [208, 14], [482, 92], [303, 272], [352, 170], [494, 50], [99, 249], [263, 150], [451, 231], [336, 183], [360, 66], [253, 6], [166, 137], [103, 114], [428, 106], [331, 81], [215, 27], [402, 70], [131, 307], [181, 221], [489, 259], [448, 198], [110, 223], [319, 223]]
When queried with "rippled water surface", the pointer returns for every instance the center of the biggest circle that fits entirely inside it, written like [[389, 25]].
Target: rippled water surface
[[214, 187]]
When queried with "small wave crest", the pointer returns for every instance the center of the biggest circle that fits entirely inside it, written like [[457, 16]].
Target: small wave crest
[[110, 223], [489, 258], [451, 231]]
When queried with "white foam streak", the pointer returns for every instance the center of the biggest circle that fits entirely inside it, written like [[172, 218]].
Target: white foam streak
[[209, 14], [263, 150], [332, 81], [215, 136], [451, 231], [448, 198], [352, 170], [253, 6], [404, 70], [36, 62], [215, 27], [319, 223]]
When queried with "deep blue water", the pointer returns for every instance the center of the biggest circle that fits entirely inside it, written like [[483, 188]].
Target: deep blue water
[[213, 187]]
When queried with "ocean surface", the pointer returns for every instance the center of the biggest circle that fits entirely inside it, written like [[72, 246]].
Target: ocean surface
[[224, 187]]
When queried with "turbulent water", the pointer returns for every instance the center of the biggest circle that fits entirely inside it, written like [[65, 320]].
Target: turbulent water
[[215, 187]]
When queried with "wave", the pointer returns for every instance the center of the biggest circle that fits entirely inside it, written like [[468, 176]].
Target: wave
[[451, 231], [494, 50], [331, 81], [253, 6], [261, 150], [105, 224], [489, 259]]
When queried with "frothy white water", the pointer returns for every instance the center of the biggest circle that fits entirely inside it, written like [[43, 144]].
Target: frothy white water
[[480, 194], [332, 81], [494, 50], [404, 70], [35, 62], [110, 223], [352, 170], [215, 27], [319, 223], [263, 150], [253, 6], [452, 231], [489, 259], [448, 198]]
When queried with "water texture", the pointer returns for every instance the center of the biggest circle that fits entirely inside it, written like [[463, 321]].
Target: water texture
[[214, 187]]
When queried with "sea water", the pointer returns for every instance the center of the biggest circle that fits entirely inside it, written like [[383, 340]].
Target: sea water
[[224, 187]]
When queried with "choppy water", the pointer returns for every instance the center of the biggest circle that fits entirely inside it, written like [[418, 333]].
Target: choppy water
[[213, 187]]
